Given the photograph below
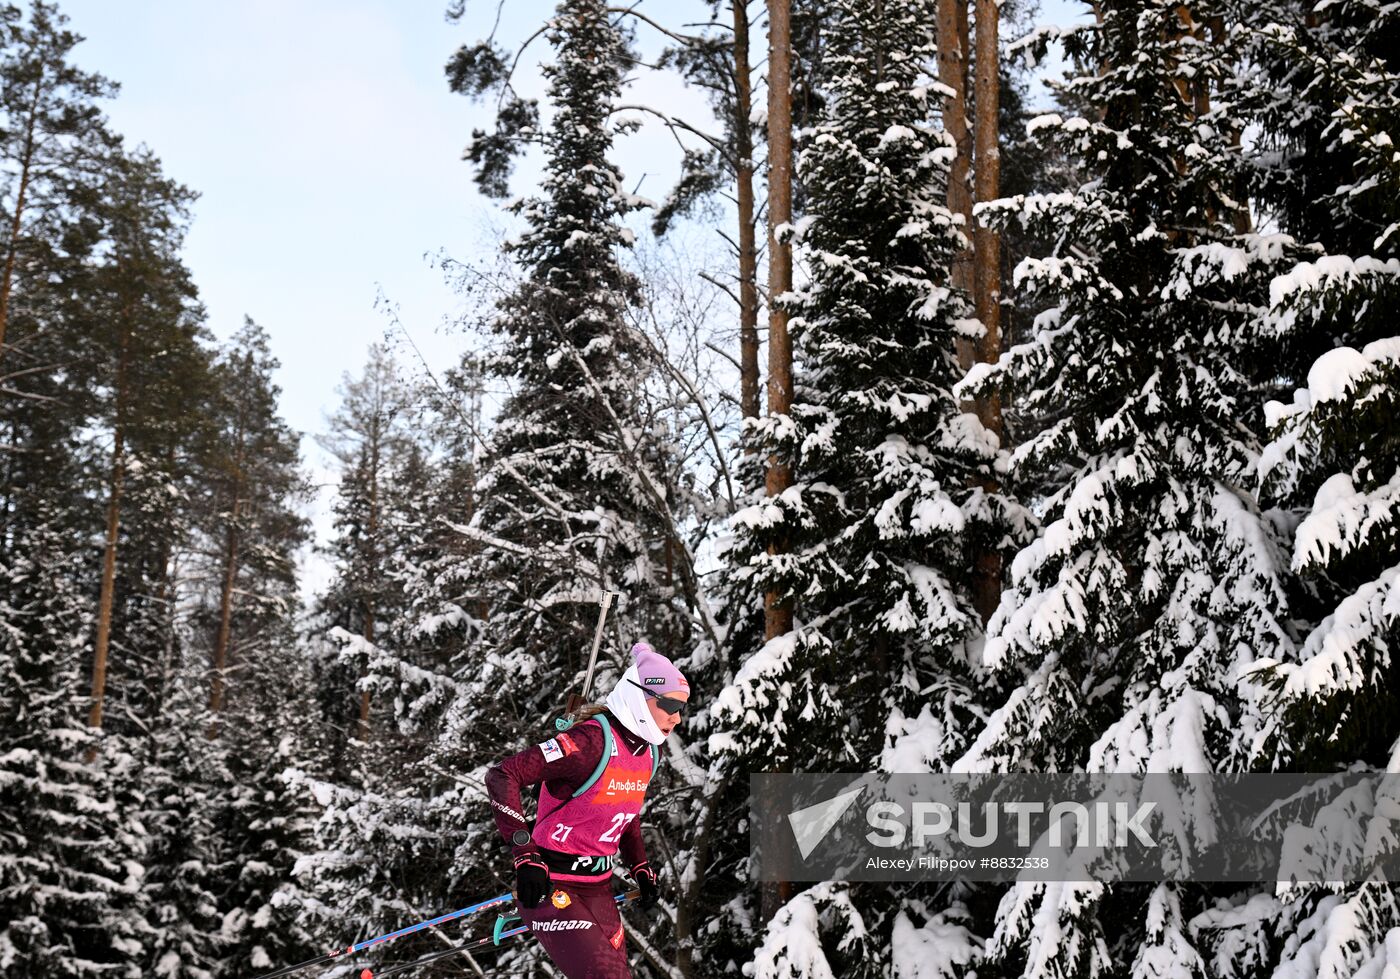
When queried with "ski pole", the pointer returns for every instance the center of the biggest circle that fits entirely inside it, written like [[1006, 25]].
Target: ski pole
[[370, 943], [467, 946]]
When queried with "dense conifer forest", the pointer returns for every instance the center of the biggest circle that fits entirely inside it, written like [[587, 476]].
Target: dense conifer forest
[[1015, 423]]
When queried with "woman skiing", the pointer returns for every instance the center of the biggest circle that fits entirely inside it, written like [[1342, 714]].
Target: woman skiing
[[593, 778]]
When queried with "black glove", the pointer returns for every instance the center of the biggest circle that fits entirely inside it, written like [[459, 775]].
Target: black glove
[[645, 877], [531, 880]]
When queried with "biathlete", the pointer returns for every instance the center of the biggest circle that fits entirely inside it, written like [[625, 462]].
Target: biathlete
[[593, 780]]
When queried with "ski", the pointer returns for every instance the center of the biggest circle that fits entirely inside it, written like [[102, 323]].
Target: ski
[[381, 939], [484, 942]]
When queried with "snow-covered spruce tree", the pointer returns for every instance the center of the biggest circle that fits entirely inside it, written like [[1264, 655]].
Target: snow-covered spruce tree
[[573, 495], [70, 859], [1333, 464], [433, 492], [884, 514], [417, 665], [1155, 580], [174, 799], [825, 932], [370, 438], [391, 814], [886, 510], [367, 856], [265, 829], [492, 623], [1333, 460], [267, 730], [243, 578], [1328, 169], [373, 858], [385, 841], [586, 475]]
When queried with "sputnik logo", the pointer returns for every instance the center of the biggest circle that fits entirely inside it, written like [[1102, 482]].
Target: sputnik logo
[[811, 824]]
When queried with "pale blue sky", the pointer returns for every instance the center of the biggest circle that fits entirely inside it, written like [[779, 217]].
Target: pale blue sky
[[326, 149]]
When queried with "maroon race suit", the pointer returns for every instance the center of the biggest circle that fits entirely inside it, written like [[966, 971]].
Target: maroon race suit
[[578, 922]]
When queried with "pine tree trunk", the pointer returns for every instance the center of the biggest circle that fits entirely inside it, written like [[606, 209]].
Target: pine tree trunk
[[16, 222], [1194, 93], [221, 642], [987, 276], [778, 609], [778, 613], [952, 72], [748, 245], [987, 272], [109, 557], [165, 597]]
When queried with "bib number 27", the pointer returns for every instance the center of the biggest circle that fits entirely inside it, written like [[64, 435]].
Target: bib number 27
[[619, 822]]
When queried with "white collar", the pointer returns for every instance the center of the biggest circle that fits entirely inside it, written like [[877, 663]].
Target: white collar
[[628, 703]]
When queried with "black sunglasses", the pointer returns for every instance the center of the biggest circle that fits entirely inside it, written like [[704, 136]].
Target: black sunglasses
[[669, 704]]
